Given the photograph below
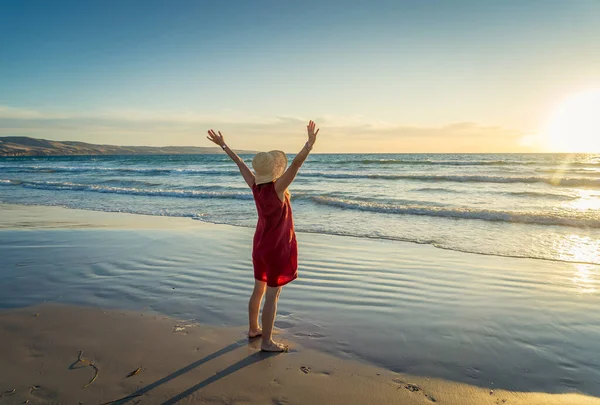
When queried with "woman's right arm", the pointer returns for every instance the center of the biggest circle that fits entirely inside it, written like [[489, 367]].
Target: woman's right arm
[[290, 174], [244, 169]]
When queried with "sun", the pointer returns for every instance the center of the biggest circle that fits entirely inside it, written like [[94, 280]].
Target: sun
[[574, 126]]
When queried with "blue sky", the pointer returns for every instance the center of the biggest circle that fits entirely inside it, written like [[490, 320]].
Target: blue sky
[[379, 76]]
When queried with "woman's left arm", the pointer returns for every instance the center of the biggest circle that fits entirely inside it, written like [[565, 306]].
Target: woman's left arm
[[282, 183], [244, 169]]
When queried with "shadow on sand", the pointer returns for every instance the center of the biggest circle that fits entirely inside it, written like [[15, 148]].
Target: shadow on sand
[[253, 358]]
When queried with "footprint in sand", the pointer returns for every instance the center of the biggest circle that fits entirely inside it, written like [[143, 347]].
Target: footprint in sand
[[413, 388]]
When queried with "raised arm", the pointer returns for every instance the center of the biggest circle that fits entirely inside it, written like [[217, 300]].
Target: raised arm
[[244, 169], [288, 177]]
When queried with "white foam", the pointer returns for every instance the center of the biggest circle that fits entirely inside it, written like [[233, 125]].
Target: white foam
[[463, 213]]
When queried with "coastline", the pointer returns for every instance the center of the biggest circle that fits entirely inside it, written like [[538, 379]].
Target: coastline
[[455, 317]]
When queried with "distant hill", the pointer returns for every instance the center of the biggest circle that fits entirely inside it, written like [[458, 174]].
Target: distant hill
[[25, 146]]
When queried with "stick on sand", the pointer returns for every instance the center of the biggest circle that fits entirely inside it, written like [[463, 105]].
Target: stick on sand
[[84, 361]]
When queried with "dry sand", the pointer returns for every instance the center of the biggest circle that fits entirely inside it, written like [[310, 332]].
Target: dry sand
[[190, 363]]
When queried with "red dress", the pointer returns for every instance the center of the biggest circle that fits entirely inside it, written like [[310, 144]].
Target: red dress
[[275, 251]]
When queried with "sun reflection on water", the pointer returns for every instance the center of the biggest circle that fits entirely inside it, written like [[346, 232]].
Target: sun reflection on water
[[585, 250], [587, 200], [586, 278], [567, 162]]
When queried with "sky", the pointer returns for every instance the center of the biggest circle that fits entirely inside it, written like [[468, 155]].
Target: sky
[[376, 76]]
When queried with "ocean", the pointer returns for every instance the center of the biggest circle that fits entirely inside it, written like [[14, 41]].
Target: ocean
[[540, 206]]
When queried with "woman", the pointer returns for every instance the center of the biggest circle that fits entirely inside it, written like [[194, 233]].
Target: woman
[[275, 252]]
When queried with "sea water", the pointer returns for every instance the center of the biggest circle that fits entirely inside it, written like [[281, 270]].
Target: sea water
[[542, 206]]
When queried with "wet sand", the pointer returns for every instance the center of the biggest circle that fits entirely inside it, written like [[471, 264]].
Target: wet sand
[[182, 362], [456, 325]]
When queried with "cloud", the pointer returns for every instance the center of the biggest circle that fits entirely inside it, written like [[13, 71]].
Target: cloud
[[7, 112], [246, 131]]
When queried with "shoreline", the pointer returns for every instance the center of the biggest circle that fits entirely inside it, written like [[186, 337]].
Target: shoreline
[[174, 361], [34, 217], [130, 222]]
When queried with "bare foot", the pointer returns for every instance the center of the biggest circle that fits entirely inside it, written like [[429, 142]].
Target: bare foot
[[272, 346], [252, 333]]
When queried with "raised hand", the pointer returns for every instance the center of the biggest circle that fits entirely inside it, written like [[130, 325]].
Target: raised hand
[[312, 135], [216, 137]]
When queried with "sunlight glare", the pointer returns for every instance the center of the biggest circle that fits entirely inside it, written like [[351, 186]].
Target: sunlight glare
[[574, 126], [587, 200], [586, 251], [586, 278]]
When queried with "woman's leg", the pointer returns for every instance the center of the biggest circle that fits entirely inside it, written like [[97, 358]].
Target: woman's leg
[[254, 307], [268, 319]]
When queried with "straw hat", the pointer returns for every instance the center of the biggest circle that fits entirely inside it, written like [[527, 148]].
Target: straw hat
[[269, 166]]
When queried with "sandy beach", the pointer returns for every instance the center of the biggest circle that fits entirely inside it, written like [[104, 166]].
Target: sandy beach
[[368, 321], [180, 362]]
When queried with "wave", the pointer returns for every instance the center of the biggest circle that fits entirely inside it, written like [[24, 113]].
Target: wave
[[401, 207], [130, 182], [436, 190], [409, 162], [535, 194], [529, 194], [581, 172], [462, 213], [59, 186], [142, 171], [432, 162], [565, 182]]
